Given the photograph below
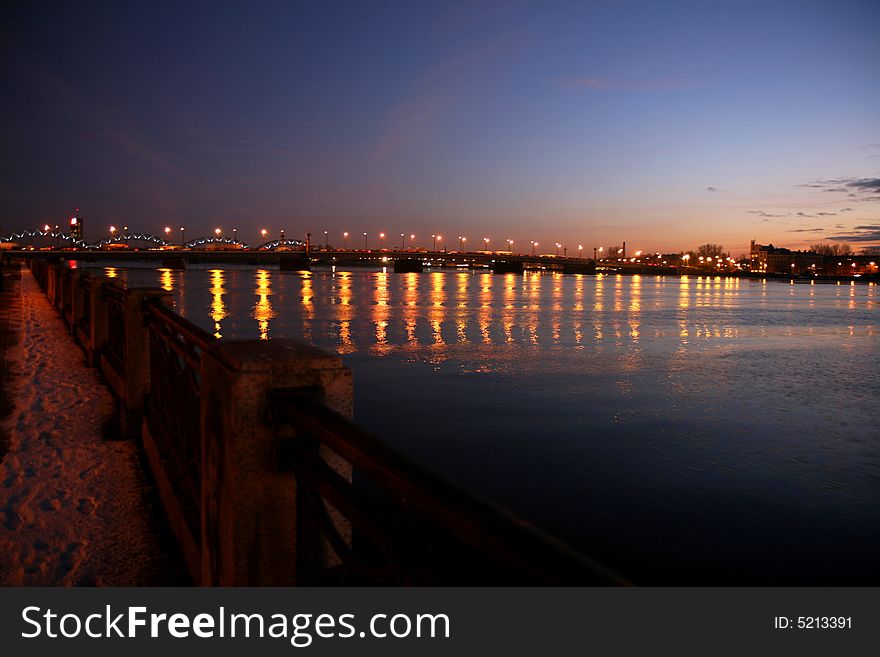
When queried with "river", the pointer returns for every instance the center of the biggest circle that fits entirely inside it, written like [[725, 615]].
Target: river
[[693, 430]]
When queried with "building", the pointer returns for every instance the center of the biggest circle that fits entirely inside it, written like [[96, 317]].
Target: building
[[768, 259], [76, 226]]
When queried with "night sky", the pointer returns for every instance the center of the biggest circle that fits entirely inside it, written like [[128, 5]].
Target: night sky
[[665, 124]]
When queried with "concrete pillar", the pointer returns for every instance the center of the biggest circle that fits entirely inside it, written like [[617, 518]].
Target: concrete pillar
[[248, 506], [136, 356], [74, 313], [97, 319], [51, 282]]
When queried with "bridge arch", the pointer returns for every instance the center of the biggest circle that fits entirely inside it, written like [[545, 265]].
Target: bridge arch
[[46, 235], [131, 237], [204, 241], [274, 244]]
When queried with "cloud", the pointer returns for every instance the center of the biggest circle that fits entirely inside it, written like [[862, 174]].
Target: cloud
[[762, 213], [870, 184], [871, 147], [847, 210], [826, 214], [807, 230], [866, 233], [865, 189], [711, 189], [804, 214]]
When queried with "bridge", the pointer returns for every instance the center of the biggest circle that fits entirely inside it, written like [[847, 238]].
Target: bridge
[[295, 254]]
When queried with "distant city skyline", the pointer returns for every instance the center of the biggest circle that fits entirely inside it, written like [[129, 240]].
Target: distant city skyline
[[666, 125]]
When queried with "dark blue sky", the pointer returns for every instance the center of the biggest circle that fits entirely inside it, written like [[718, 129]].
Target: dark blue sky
[[666, 124]]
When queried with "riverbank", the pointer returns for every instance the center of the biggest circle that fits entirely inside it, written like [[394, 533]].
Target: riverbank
[[76, 507]]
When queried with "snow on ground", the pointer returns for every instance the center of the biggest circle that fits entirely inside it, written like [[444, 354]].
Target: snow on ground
[[75, 508]]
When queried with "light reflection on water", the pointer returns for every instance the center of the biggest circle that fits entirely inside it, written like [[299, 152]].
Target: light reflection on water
[[704, 430]]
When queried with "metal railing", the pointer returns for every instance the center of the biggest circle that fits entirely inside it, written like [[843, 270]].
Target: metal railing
[[174, 399]]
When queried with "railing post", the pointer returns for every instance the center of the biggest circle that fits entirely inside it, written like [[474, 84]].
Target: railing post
[[248, 506], [51, 284], [97, 319], [136, 357], [71, 309], [79, 305]]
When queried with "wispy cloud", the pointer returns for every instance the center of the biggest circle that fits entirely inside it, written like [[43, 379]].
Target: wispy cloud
[[806, 230], [873, 150], [763, 213], [864, 189], [865, 233]]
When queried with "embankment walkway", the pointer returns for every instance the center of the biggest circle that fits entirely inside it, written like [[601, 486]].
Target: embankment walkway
[[76, 508]]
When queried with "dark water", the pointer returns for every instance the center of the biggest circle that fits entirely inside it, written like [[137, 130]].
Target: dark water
[[683, 430]]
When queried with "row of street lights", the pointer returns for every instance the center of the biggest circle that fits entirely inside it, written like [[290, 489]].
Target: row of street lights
[[597, 252]]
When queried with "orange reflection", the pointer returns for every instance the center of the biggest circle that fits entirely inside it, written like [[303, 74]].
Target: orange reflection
[[618, 293], [381, 311], [263, 308], [344, 311], [166, 279], [218, 308], [410, 307], [307, 293], [485, 313], [635, 306], [462, 307], [437, 312]]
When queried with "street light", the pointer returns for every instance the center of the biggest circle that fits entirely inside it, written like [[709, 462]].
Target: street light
[[402, 242], [510, 245], [365, 242], [461, 241], [167, 232], [217, 232], [534, 244], [381, 240], [46, 228], [182, 236], [326, 243], [486, 241], [580, 251], [112, 231], [345, 240], [558, 245], [263, 233]]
